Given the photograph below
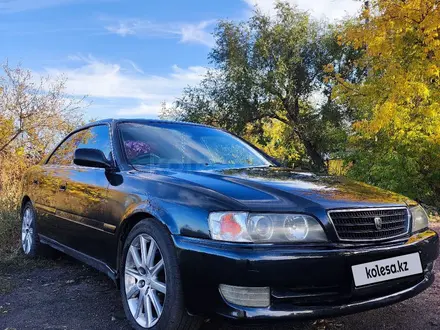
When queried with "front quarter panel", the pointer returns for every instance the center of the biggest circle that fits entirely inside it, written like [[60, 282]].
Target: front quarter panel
[[183, 209]]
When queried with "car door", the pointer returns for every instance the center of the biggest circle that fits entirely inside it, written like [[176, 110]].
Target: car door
[[80, 209], [49, 183]]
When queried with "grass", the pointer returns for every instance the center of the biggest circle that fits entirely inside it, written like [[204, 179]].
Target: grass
[[9, 234], [11, 256]]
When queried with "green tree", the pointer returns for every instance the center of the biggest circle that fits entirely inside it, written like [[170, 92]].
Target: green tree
[[276, 139], [273, 68]]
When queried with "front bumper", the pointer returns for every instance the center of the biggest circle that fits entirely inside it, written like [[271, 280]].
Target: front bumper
[[306, 281]]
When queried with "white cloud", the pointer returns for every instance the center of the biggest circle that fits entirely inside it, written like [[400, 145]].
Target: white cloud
[[122, 29], [135, 67], [142, 109], [197, 33], [332, 9], [126, 84], [186, 32]]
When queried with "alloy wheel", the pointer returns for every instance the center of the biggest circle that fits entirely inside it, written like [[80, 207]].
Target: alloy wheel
[[27, 230], [145, 280]]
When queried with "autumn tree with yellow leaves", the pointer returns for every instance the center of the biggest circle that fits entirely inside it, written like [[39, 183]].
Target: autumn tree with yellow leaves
[[35, 113], [396, 138]]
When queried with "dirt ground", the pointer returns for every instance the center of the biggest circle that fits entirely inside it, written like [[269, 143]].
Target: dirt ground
[[64, 294]]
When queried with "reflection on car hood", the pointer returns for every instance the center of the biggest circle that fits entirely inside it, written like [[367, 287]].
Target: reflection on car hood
[[283, 188]]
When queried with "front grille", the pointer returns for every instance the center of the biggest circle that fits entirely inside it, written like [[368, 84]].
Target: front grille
[[360, 224]]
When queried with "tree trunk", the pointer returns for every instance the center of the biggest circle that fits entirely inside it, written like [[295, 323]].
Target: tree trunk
[[293, 110], [317, 160], [318, 163]]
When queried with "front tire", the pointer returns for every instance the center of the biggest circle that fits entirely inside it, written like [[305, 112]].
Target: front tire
[[150, 282]]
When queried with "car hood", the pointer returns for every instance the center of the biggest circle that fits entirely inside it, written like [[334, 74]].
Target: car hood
[[285, 189]]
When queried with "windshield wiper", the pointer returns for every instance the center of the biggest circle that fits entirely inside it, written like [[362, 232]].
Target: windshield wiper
[[238, 166], [215, 163]]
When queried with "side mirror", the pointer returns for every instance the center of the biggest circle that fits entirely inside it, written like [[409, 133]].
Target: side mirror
[[91, 158]]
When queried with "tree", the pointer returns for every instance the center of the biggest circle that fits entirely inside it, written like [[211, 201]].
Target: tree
[[397, 135], [34, 115], [276, 139], [273, 68], [34, 111]]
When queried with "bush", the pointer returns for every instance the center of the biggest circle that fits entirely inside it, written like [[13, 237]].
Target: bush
[[411, 169], [9, 234], [11, 173]]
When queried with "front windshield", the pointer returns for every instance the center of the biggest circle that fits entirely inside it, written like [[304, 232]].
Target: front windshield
[[173, 144]]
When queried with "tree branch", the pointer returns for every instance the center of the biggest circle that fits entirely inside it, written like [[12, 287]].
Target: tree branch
[[11, 140], [281, 119]]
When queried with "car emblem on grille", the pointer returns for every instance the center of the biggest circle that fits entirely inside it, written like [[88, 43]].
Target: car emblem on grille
[[378, 223]]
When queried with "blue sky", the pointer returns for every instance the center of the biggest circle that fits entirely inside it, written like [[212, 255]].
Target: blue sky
[[128, 56]]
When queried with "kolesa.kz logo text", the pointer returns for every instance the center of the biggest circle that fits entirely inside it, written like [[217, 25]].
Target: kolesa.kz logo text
[[386, 270]]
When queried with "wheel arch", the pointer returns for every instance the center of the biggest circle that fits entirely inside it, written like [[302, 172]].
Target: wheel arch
[[24, 200], [132, 219]]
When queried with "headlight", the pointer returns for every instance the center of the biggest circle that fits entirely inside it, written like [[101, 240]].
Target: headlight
[[419, 218], [265, 228]]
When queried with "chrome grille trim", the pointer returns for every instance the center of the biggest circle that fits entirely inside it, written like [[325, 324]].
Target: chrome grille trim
[[395, 232]]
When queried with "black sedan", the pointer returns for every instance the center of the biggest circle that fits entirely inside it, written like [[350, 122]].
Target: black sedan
[[191, 221]]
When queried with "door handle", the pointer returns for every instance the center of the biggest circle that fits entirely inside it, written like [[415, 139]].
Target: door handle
[[63, 187]]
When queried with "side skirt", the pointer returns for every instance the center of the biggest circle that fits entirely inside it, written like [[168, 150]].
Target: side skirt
[[92, 262]]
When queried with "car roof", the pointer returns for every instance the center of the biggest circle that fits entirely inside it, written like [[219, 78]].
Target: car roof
[[139, 121]]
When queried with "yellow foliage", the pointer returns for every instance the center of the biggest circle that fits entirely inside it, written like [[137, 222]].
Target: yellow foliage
[[32, 120], [337, 167], [395, 142], [401, 92], [275, 140]]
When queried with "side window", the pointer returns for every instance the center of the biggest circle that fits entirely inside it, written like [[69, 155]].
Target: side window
[[63, 155], [96, 137]]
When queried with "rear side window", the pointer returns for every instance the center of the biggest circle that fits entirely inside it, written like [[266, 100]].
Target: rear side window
[[96, 137]]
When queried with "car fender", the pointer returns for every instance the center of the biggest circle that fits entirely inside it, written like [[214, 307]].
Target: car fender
[[153, 209]]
